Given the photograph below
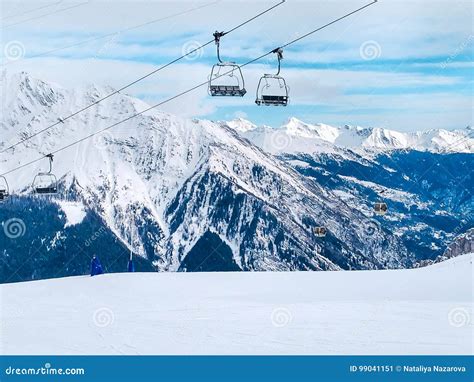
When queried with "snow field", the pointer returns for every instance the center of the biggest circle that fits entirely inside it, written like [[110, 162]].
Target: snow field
[[420, 311]]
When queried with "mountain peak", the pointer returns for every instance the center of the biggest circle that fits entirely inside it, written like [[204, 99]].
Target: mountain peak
[[296, 127], [241, 125]]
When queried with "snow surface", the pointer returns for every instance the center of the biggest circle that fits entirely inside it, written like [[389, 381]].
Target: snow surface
[[75, 212], [170, 175], [419, 311], [297, 136]]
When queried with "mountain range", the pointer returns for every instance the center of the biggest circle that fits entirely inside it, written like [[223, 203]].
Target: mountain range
[[198, 195], [299, 137]]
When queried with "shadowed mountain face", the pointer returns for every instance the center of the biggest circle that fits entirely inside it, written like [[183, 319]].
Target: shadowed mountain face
[[200, 196], [209, 253], [429, 195], [37, 243]]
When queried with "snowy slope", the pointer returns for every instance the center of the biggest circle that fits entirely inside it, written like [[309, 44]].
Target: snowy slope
[[420, 311], [300, 137]]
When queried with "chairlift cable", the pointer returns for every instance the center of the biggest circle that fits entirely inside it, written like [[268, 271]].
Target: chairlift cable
[[45, 15], [328, 24], [30, 10], [116, 33], [253, 18], [135, 81], [175, 96]]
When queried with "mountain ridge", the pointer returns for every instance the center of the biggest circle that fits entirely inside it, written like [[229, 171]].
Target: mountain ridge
[[164, 185], [298, 136]]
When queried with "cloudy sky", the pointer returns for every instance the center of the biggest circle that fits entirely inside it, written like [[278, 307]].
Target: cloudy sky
[[405, 65]]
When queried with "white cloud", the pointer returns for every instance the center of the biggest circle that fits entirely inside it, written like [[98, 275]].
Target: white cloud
[[404, 30]]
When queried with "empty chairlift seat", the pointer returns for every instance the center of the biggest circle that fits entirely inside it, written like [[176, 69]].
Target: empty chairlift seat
[[272, 89], [320, 231], [380, 208], [226, 78], [46, 183], [4, 189]]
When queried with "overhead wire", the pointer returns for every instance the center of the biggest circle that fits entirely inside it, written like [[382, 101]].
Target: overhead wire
[[182, 93], [113, 34], [30, 10], [46, 14], [117, 91]]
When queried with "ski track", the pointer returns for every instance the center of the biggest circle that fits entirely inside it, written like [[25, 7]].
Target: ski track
[[351, 312]]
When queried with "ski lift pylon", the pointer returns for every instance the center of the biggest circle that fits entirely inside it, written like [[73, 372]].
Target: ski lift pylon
[[272, 89], [4, 189], [45, 183], [226, 78]]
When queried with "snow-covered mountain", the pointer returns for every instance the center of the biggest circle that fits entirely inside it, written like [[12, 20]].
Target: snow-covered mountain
[[189, 195], [297, 136]]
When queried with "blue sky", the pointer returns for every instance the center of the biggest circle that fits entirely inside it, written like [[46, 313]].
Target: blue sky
[[400, 65]]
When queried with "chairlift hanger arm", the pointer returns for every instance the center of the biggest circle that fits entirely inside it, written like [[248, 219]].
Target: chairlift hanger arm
[[50, 157], [279, 53], [217, 39]]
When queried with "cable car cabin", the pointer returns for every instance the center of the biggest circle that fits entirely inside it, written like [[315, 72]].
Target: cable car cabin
[[320, 231], [4, 189], [380, 208], [272, 91], [226, 79], [45, 184]]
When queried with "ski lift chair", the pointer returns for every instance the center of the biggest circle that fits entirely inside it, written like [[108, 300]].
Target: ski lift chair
[[226, 78], [320, 231], [45, 183], [272, 89], [4, 189], [380, 208]]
